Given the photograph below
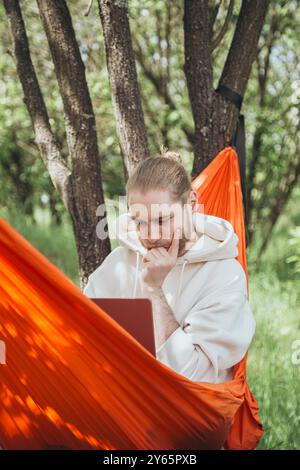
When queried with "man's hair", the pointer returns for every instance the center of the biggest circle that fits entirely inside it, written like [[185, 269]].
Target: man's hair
[[162, 172]]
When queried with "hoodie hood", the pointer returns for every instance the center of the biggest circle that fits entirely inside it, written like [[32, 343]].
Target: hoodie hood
[[217, 240]]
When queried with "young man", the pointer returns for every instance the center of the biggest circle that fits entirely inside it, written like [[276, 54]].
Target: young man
[[202, 318]]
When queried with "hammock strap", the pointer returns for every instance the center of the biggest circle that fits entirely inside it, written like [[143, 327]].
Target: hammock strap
[[232, 96], [238, 143]]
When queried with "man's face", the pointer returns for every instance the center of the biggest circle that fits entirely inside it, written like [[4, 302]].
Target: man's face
[[157, 216]]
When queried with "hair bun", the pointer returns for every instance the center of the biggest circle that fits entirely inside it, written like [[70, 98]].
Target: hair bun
[[170, 154]]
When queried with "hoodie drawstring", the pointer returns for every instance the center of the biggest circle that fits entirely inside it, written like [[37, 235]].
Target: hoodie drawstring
[[180, 280], [136, 273]]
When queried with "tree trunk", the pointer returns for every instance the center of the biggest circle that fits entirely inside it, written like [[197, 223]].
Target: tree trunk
[[123, 82], [79, 186], [215, 117]]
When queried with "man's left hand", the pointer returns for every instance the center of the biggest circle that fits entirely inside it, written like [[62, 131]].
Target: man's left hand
[[159, 261]]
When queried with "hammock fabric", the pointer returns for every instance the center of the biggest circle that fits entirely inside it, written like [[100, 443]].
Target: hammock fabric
[[74, 378]]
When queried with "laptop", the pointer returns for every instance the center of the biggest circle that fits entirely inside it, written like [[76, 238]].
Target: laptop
[[134, 315]]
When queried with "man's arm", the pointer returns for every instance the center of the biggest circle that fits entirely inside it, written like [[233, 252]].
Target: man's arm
[[174, 346], [164, 321], [218, 329]]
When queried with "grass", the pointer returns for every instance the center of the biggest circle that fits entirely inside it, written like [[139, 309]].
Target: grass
[[272, 376], [56, 242], [274, 298]]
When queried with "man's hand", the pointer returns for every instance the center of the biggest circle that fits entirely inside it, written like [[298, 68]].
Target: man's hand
[[159, 261]]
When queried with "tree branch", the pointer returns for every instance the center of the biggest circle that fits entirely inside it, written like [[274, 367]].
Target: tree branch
[[218, 39], [199, 75], [33, 98], [213, 12], [243, 48], [264, 64], [123, 82], [88, 8], [157, 83], [290, 181], [86, 182], [197, 41]]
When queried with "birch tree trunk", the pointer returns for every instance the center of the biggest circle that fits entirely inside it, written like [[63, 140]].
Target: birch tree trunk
[[79, 181]]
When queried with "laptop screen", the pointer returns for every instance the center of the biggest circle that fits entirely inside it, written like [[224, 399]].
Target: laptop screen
[[134, 315]]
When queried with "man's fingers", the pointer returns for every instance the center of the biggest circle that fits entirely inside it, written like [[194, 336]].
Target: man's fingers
[[159, 252], [153, 252], [149, 257], [162, 250]]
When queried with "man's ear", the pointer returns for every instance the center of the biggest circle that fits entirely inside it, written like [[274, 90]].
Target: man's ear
[[193, 200]]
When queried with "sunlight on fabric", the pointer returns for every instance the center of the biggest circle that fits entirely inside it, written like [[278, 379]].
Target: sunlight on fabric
[[74, 378]]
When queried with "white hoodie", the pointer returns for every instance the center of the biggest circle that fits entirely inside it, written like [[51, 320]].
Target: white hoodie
[[206, 290]]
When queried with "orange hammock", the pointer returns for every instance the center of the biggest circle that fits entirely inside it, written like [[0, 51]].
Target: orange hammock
[[75, 379]]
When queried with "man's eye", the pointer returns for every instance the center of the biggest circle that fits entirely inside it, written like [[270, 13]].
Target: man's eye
[[140, 223]]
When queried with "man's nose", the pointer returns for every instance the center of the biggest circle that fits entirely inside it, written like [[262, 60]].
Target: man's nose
[[152, 234]]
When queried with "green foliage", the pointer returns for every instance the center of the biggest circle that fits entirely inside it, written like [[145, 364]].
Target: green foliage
[[272, 376], [272, 123], [56, 242], [29, 202], [277, 121], [279, 249], [294, 242]]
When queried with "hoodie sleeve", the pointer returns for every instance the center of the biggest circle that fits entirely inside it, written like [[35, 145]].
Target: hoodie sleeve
[[89, 289], [105, 281], [216, 333], [97, 285]]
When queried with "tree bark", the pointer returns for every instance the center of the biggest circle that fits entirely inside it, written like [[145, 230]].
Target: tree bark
[[34, 102], [199, 76], [80, 185], [215, 117], [86, 182], [123, 82]]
